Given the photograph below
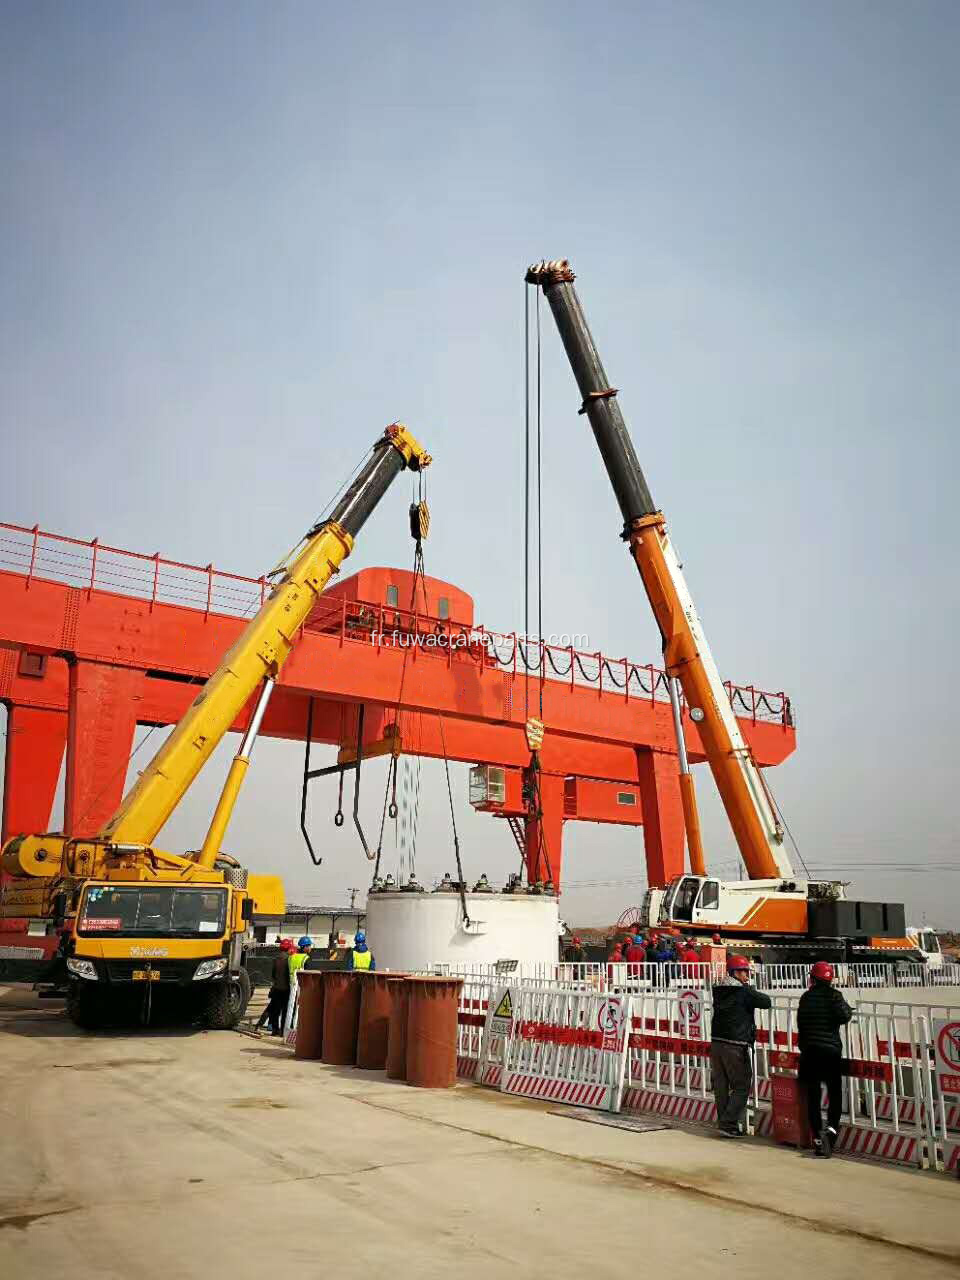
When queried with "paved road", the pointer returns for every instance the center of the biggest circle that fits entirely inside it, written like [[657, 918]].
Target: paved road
[[169, 1156]]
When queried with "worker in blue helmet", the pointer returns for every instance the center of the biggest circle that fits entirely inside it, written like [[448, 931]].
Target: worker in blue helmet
[[300, 956], [361, 957]]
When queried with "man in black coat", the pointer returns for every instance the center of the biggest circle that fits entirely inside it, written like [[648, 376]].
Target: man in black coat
[[276, 1008], [820, 1015], [733, 1032]]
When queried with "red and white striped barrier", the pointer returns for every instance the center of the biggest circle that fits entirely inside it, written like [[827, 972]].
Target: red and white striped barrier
[[567, 1046], [673, 1106], [569, 1091], [901, 1148]]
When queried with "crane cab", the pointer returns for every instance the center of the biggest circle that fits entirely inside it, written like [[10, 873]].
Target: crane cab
[[928, 945], [705, 904]]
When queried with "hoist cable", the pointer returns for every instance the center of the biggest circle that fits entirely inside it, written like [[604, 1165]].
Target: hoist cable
[[526, 499], [453, 822], [415, 822], [383, 819], [418, 575], [779, 813], [533, 386], [538, 797], [539, 520], [412, 815]]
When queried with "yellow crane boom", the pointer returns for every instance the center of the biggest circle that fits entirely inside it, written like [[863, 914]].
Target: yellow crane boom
[[252, 663]]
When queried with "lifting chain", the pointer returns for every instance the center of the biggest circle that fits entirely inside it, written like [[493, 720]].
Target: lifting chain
[[338, 816]]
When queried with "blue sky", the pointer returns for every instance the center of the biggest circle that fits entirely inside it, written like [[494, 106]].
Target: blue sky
[[238, 238]]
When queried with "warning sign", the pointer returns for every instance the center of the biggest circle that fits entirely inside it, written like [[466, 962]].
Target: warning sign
[[501, 1020], [610, 1021], [691, 1014], [946, 1036]]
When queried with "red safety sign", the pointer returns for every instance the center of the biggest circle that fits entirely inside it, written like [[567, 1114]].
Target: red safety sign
[[691, 1014], [946, 1036], [610, 1021]]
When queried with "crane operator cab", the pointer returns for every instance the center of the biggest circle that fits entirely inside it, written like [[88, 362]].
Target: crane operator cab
[[177, 944], [693, 898], [706, 904]]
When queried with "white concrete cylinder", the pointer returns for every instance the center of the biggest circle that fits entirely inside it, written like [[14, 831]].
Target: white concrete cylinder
[[419, 930]]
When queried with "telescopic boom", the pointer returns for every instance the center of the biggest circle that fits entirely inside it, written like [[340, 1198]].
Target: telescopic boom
[[687, 656]]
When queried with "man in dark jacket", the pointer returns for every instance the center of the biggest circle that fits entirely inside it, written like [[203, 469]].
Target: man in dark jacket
[[820, 1015], [732, 1036], [276, 1008], [573, 952]]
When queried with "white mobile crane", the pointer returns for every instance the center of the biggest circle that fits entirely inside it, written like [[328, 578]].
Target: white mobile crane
[[774, 913]]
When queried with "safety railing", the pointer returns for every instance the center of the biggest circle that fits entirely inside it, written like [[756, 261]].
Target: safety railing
[[609, 977], [39, 555], [562, 1043], [388, 626], [620, 976], [865, 976], [96, 566]]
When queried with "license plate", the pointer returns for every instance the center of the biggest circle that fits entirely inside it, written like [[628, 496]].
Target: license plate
[[146, 975]]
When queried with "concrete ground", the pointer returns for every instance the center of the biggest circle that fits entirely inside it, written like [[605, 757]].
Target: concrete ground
[[182, 1154]]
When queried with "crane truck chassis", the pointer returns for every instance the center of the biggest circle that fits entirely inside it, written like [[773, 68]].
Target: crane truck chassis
[[140, 927]]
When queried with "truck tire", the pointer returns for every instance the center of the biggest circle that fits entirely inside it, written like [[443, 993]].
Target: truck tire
[[83, 1007], [227, 1002]]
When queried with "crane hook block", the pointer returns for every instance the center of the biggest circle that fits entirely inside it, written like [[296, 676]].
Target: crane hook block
[[419, 521], [534, 732]]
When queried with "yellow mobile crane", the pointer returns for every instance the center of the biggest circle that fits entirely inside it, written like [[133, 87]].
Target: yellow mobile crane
[[134, 918]]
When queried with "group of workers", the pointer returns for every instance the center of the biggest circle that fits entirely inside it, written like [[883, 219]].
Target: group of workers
[[656, 948], [303, 955], [821, 1012]]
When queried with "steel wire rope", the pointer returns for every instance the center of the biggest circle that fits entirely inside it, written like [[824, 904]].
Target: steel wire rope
[[786, 825], [539, 515], [418, 489], [453, 822], [536, 798], [526, 500]]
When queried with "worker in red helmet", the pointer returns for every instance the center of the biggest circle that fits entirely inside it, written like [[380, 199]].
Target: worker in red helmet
[[820, 1015], [574, 952], [614, 958], [276, 1007], [733, 1033]]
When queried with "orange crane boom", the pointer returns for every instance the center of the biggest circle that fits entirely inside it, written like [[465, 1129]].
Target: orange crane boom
[[687, 657]]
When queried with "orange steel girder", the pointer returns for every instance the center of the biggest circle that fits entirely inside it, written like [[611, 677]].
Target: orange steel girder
[[115, 661]]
